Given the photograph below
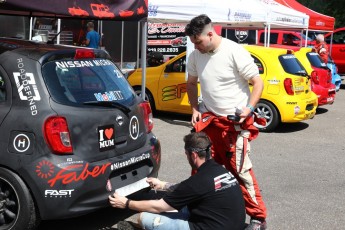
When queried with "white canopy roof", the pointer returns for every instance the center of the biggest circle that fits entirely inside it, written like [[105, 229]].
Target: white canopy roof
[[229, 13]]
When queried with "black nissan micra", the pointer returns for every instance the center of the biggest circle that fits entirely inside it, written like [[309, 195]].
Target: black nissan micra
[[72, 131]]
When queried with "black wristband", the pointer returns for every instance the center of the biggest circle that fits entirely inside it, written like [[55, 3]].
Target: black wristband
[[127, 203]]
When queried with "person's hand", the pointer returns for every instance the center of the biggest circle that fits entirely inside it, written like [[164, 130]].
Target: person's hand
[[196, 116], [117, 201], [245, 113], [155, 183]]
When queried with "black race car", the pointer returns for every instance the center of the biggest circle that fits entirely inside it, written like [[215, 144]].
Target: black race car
[[72, 131]]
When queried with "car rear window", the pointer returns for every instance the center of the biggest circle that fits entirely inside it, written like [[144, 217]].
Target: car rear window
[[78, 81], [291, 65], [315, 60]]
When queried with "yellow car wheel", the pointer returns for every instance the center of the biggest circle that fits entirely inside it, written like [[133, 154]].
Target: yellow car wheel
[[148, 96], [269, 112]]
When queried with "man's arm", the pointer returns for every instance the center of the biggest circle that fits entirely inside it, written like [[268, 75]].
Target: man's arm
[[153, 206], [192, 91]]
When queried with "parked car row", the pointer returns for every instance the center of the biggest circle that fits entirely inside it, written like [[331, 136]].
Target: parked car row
[[296, 82]]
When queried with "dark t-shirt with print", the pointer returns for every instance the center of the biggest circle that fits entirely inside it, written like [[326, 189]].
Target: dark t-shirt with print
[[213, 197]]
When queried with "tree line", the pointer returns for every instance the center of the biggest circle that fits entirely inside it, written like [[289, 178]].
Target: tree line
[[334, 8]]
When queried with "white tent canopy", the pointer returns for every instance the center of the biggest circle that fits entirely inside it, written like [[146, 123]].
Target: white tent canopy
[[229, 13]]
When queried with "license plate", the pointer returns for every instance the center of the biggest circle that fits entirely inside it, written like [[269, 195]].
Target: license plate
[[132, 188], [329, 99]]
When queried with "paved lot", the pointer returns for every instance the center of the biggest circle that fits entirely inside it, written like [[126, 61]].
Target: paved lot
[[300, 169]]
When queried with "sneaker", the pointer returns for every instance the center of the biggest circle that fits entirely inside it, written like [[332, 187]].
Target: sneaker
[[256, 225], [124, 225]]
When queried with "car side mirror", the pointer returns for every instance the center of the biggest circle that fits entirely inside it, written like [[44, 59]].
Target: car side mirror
[[169, 68]]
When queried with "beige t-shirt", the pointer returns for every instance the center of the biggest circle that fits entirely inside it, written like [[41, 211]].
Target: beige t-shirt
[[223, 76]]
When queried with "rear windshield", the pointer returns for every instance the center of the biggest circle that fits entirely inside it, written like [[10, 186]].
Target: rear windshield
[[78, 81], [291, 65], [315, 60]]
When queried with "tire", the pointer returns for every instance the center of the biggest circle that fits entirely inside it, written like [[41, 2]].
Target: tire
[[148, 97], [267, 110], [18, 211]]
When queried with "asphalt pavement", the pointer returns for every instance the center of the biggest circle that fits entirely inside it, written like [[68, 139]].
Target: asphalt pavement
[[299, 167]]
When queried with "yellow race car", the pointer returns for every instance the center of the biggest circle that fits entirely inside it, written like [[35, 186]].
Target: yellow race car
[[286, 96]]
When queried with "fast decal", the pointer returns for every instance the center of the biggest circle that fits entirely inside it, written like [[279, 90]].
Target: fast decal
[[109, 96], [106, 137], [173, 92], [21, 142], [224, 181], [69, 175], [130, 161], [134, 128], [58, 193], [290, 56], [27, 87], [273, 81], [44, 169], [79, 64]]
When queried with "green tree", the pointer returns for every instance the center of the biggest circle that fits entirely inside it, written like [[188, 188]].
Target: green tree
[[334, 8]]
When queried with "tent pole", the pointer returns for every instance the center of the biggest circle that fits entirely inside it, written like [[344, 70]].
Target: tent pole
[[330, 47], [268, 35], [122, 29], [143, 57], [30, 31], [306, 39], [138, 45], [58, 31]]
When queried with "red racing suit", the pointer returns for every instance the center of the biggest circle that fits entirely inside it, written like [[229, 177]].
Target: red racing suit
[[322, 49], [230, 147]]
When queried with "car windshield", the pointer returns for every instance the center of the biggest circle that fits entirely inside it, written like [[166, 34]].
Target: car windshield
[[315, 60], [71, 81], [291, 65]]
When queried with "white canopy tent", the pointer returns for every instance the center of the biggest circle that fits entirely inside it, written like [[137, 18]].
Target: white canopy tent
[[228, 13]]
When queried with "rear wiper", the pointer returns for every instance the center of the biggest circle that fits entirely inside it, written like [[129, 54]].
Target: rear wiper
[[115, 104]]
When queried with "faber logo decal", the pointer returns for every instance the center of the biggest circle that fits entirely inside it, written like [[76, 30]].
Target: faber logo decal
[[26, 86], [134, 128], [65, 176], [106, 137], [44, 169], [21, 143]]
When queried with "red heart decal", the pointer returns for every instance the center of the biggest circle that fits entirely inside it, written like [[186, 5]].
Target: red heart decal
[[109, 133]]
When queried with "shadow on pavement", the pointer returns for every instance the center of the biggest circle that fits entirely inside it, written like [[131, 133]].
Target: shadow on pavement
[[321, 111], [291, 127], [174, 118]]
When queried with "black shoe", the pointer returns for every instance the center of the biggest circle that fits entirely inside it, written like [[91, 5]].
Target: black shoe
[[124, 225], [256, 225]]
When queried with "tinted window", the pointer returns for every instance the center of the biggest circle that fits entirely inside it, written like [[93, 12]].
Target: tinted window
[[291, 64], [273, 38], [78, 81], [338, 38], [179, 65], [315, 60], [259, 64], [2, 89]]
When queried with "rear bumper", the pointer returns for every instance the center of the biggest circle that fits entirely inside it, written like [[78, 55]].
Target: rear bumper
[[66, 186], [325, 95]]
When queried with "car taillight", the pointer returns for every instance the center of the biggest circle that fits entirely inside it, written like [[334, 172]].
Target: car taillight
[[84, 53], [288, 86], [148, 118], [57, 136], [315, 77]]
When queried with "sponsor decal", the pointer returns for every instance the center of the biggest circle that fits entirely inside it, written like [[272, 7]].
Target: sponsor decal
[[108, 186], [27, 87], [58, 193], [273, 81], [289, 56], [44, 169], [291, 103], [106, 137], [134, 128], [174, 92], [130, 161], [109, 96], [79, 64], [224, 181], [66, 176], [241, 35], [206, 119], [21, 142], [69, 161], [152, 10]]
